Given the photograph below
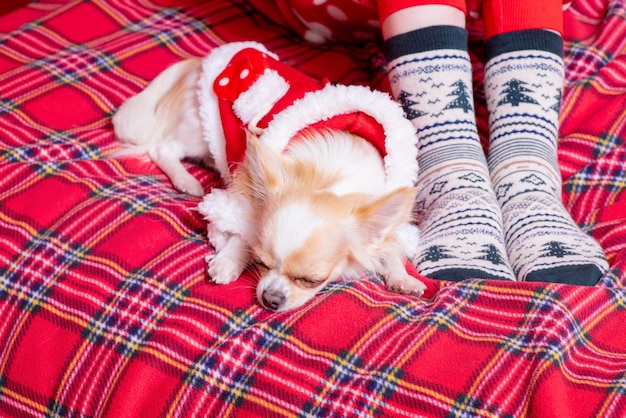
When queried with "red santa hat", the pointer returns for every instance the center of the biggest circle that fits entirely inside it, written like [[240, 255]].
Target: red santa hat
[[245, 86]]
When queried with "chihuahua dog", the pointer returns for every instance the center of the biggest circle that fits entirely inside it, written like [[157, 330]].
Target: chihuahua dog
[[320, 178]]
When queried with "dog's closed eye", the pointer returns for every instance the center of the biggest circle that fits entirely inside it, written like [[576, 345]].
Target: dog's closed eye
[[303, 281], [307, 282], [261, 265]]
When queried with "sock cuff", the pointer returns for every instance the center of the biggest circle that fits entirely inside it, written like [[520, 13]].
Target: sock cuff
[[387, 7], [525, 40], [426, 39], [502, 16]]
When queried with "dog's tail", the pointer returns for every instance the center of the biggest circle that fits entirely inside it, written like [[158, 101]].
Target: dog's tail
[[146, 118]]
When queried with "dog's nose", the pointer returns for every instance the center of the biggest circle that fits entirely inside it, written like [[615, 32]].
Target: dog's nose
[[273, 299]]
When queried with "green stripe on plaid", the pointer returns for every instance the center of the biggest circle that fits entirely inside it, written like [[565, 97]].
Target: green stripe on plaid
[[237, 322], [273, 336], [228, 369], [543, 299], [609, 179], [470, 290], [134, 311], [31, 283], [17, 154], [442, 318], [8, 105], [49, 168], [75, 63], [618, 386], [374, 388], [618, 297], [606, 142], [70, 146], [30, 296], [197, 374], [345, 367], [612, 179], [56, 410], [61, 145], [466, 406], [133, 198], [168, 26], [227, 378], [555, 330], [385, 381], [404, 312]]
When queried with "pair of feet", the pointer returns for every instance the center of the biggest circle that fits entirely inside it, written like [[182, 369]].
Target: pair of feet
[[499, 216]]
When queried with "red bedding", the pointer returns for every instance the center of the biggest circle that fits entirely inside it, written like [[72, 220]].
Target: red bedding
[[105, 304]]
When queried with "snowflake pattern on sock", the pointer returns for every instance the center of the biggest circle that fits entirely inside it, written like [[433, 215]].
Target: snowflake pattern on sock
[[461, 233], [523, 90]]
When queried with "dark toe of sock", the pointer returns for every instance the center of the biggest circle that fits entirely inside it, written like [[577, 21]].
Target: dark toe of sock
[[458, 274], [585, 275]]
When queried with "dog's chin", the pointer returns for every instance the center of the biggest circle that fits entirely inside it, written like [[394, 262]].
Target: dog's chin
[[277, 293]]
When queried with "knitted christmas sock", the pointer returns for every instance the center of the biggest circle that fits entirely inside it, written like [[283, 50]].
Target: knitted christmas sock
[[523, 82], [461, 227]]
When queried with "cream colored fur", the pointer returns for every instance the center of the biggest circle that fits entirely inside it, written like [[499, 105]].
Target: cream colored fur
[[317, 212]]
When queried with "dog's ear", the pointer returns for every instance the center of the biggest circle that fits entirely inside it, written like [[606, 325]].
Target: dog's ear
[[379, 217], [263, 167]]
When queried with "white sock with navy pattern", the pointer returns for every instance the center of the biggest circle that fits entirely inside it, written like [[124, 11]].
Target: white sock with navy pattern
[[523, 83], [461, 229]]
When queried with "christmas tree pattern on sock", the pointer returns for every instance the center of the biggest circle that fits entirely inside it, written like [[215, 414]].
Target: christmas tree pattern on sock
[[461, 233], [523, 83]]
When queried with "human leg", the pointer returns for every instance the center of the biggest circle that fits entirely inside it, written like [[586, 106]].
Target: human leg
[[431, 77], [523, 83]]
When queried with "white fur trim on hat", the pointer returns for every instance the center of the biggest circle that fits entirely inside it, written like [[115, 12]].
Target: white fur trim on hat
[[333, 100], [214, 63], [253, 104]]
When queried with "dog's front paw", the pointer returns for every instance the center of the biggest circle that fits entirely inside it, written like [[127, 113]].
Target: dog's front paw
[[223, 269], [189, 185], [406, 285]]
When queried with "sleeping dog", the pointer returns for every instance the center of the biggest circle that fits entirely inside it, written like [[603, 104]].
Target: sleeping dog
[[320, 178]]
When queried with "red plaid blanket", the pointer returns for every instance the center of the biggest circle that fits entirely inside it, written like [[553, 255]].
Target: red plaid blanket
[[105, 306]]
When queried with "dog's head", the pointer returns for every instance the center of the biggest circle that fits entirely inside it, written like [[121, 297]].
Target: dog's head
[[308, 236]]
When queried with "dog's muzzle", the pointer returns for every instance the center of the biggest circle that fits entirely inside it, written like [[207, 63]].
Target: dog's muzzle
[[273, 299]]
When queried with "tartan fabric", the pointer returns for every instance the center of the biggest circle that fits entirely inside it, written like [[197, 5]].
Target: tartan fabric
[[105, 306]]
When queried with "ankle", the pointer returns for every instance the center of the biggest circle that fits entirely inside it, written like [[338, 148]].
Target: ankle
[[419, 17], [388, 7]]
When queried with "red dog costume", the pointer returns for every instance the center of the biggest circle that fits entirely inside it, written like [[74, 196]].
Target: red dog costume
[[244, 86]]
